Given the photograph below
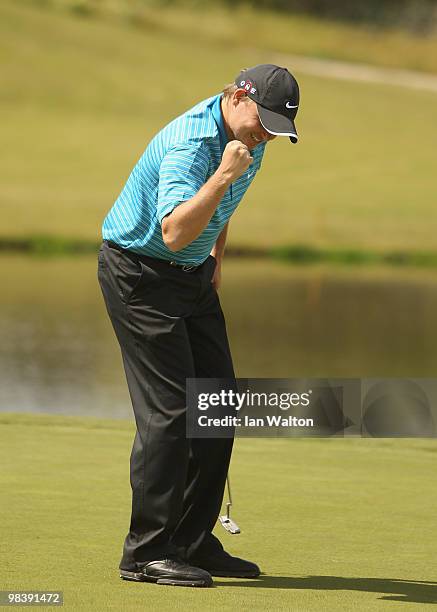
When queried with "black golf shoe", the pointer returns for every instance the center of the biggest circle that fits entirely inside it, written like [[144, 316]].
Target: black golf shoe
[[225, 565], [169, 571]]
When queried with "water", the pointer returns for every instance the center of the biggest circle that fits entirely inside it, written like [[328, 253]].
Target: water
[[58, 353]]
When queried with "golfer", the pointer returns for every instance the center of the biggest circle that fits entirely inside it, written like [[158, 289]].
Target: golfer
[[159, 271]]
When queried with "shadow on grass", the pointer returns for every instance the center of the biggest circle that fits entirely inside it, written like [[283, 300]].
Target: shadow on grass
[[411, 591]]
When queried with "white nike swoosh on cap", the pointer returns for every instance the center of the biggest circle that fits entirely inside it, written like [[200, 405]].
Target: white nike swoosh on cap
[[288, 105]]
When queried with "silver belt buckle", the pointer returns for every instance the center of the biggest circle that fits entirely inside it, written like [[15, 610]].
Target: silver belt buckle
[[183, 267]]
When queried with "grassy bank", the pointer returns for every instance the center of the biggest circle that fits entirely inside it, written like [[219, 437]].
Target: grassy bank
[[50, 246], [335, 524], [81, 97], [262, 28]]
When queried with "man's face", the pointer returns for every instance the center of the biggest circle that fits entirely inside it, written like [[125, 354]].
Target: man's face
[[244, 121]]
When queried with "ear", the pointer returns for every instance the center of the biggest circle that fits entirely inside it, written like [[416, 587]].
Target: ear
[[238, 96]]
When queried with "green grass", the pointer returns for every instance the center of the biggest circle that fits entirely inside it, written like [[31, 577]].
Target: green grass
[[336, 524], [262, 28], [80, 99], [53, 246]]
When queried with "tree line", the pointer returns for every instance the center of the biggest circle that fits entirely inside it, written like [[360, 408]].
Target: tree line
[[416, 15]]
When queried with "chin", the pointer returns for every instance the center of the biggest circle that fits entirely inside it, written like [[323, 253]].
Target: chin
[[251, 145]]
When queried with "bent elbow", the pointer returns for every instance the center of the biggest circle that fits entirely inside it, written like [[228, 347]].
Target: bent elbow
[[171, 245], [169, 238], [168, 241]]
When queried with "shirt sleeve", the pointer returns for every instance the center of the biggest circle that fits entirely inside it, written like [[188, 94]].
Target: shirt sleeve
[[183, 171]]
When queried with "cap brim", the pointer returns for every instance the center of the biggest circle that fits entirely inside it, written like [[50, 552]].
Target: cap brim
[[277, 124]]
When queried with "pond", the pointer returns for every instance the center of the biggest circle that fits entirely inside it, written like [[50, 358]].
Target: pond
[[59, 355]]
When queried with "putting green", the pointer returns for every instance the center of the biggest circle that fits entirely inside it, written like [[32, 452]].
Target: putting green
[[335, 524]]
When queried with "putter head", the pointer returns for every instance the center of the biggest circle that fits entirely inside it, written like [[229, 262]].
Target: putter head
[[229, 524]]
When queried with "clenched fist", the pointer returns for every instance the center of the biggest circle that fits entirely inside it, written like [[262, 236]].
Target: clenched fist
[[236, 159]]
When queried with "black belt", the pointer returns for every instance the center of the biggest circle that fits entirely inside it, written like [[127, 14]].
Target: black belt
[[175, 264]]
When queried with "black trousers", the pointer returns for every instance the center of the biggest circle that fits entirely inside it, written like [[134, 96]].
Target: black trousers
[[170, 327]]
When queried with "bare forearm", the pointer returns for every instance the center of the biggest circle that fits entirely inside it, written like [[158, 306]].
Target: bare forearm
[[187, 221]]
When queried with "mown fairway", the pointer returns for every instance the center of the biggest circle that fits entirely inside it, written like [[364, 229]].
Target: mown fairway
[[81, 97], [336, 524]]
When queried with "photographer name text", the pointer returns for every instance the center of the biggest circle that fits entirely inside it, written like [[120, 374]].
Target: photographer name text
[[246, 421]]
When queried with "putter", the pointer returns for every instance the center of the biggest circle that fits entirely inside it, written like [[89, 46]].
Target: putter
[[225, 519]]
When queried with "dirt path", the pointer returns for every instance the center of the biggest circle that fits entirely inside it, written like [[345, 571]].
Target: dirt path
[[358, 72]]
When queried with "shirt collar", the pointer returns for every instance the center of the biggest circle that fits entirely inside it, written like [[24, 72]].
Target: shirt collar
[[218, 117]]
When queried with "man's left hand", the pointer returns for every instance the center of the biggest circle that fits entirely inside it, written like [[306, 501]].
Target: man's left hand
[[217, 276]]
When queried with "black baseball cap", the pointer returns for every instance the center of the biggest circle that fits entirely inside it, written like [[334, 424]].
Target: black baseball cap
[[276, 93]]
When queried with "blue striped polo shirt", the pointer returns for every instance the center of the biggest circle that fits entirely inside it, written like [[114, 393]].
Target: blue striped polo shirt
[[172, 169]]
